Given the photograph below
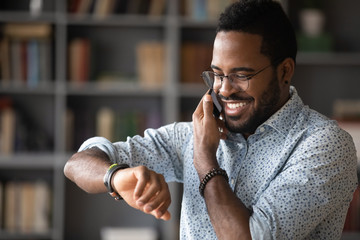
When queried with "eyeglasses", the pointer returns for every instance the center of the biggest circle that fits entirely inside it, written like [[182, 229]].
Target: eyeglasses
[[238, 81]]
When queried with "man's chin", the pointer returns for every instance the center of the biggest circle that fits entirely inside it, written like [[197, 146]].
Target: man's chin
[[235, 126]]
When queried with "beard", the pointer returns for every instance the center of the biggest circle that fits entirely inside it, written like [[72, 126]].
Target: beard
[[267, 107]]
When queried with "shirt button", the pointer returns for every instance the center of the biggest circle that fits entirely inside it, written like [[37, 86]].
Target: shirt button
[[241, 145], [232, 181], [262, 129]]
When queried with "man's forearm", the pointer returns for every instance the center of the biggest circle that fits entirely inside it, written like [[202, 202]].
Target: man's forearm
[[228, 215], [87, 169]]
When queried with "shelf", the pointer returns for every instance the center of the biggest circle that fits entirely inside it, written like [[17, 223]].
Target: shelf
[[112, 89], [9, 236], [28, 161], [48, 89], [331, 58], [187, 22], [126, 20], [24, 16]]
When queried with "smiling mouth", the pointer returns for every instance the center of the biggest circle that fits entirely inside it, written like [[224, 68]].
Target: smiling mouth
[[236, 105]]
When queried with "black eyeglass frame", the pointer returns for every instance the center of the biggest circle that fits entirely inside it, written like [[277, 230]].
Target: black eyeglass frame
[[240, 77]]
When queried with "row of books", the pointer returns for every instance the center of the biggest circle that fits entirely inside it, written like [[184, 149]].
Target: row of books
[[195, 58], [150, 63], [115, 125], [25, 206], [18, 132], [103, 8], [204, 9], [25, 55]]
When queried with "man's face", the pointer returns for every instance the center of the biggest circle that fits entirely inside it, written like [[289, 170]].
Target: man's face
[[244, 111]]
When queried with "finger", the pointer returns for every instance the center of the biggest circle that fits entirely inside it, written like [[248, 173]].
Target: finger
[[199, 111], [161, 213], [161, 201], [143, 176], [153, 188], [163, 209], [166, 216], [208, 106], [160, 210]]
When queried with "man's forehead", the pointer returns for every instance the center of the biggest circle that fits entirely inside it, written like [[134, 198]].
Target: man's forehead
[[234, 40]]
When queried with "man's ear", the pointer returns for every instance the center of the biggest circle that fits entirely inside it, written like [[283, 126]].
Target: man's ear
[[285, 71]]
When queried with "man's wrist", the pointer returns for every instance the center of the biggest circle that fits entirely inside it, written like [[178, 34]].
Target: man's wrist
[[109, 176], [212, 173]]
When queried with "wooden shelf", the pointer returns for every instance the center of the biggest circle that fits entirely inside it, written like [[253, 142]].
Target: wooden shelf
[[329, 59]]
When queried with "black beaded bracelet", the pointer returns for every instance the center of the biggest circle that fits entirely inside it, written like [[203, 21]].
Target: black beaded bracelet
[[107, 179], [210, 175]]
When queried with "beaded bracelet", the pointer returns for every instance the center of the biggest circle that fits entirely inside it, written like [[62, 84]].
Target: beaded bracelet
[[210, 175], [108, 176]]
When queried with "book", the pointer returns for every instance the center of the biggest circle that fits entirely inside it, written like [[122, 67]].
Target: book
[[79, 60], [26, 57], [84, 7], [215, 7], [42, 208], [73, 6], [45, 66], [5, 61], [204, 9], [7, 131], [195, 58], [151, 64], [27, 30], [27, 206], [15, 62], [33, 64], [157, 7], [104, 8], [11, 204], [105, 120]]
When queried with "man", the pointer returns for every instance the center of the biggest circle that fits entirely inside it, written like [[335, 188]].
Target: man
[[270, 169]]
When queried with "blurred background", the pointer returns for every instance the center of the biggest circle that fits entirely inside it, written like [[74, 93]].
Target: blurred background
[[70, 70]]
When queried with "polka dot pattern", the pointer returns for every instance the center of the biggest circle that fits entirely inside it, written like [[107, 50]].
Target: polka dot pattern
[[296, 173]]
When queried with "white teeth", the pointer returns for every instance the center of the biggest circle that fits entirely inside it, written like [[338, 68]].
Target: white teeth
[[236, 105]]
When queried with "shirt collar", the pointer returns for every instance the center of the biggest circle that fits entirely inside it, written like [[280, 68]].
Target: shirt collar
[[283, 119]]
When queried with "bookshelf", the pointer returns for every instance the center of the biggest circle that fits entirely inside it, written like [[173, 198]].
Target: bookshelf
[[61, 104]]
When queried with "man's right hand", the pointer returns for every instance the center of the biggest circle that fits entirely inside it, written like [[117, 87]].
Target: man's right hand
[[144, 190]]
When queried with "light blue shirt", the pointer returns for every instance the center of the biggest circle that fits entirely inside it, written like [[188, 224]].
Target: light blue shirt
[[296, 173]]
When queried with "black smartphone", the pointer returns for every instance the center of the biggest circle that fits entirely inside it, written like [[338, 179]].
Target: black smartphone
[[217, 105]]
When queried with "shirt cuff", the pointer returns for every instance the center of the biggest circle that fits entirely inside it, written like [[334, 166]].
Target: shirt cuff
[[259, 228], [103, 144]]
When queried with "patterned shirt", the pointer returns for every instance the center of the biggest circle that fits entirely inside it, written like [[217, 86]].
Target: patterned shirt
[[296, 173]]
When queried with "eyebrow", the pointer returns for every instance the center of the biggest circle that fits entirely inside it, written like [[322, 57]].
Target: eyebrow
[[237, 69]]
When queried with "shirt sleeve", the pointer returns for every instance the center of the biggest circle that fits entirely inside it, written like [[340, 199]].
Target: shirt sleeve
[[312, 192], [159, 149]]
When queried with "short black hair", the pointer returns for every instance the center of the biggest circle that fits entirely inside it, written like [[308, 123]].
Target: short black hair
[[267, 19]]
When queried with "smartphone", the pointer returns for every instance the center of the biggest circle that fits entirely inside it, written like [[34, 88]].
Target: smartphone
[[217, 106]]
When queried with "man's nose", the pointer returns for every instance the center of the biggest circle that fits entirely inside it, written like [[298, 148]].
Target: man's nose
[[226, 89]]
